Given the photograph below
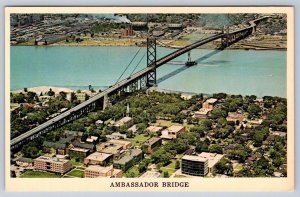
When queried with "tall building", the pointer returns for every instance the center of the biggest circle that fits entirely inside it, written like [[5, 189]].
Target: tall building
[[194, 165]]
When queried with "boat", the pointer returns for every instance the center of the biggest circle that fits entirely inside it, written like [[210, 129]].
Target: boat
[[190, 62]]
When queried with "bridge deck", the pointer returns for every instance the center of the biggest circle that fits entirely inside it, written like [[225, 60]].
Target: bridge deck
[[123, 83]]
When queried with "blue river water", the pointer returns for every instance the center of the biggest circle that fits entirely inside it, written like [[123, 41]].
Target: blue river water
[[231, 71]]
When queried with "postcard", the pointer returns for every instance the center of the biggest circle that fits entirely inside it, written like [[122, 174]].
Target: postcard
[[149, 99]]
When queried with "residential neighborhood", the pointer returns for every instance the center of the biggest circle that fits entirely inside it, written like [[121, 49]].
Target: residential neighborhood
[[236, 137]]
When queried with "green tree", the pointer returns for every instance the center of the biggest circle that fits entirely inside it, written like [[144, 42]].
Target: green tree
[[254, 110], [166, 174], [177, 164], [218, 112], [224, 167], [215, 148]]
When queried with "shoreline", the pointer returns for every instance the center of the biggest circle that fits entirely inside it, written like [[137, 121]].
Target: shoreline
[[68, 89], [171, 47]]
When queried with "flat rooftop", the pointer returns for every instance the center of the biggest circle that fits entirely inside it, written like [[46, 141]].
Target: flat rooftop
[[213, 158], [51, 159], [100, 169], [194, 158], [211, 100], [128, 155], [110, 149], [152, 140], [154, 128], [119, 142], [175, 128], [98, 156]]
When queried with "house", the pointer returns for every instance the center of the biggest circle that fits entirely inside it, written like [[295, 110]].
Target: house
[[76, 143], [97, 158], [234, 116], [172, 132], [151, 144], [128, 159], [202, 113], [117, 135], [209, 103], [55, 147], [92, 139], [154, 129], [24, 162], [127, 121], [99, 122], [123, 143], [94, 171]]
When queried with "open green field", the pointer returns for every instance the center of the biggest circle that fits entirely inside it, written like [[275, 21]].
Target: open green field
[[39, 174], [138, 140], [76, 173]]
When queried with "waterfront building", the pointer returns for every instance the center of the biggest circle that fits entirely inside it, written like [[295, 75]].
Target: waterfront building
[[98, 159], [172, 132], [210, 103], [151, 144], [94, 171], [128, 159], [52, 164]]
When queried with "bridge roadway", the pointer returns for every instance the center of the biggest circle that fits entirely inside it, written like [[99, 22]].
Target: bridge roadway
[[125, 82]]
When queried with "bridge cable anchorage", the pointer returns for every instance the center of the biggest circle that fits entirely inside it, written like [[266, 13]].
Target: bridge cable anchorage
[[138, 64], [128, 65]]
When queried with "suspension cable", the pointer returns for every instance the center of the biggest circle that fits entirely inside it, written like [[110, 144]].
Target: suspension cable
[[137, 64], [129, 64]]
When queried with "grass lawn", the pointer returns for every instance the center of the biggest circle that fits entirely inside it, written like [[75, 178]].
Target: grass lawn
[[238, 167], [132, 172], [76, 173], [138, 140], [75, 163], [169, 170], [172, 164], [39, 174]]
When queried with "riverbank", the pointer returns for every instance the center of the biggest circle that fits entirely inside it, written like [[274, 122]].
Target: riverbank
[[259, 42]]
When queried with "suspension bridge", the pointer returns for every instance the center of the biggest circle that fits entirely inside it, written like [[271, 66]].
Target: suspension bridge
[[142, 79]]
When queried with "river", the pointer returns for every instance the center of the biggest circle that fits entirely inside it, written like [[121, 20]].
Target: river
[[231, 71]]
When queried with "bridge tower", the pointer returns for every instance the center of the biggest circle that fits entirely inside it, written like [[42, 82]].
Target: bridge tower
[[151, 61]]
